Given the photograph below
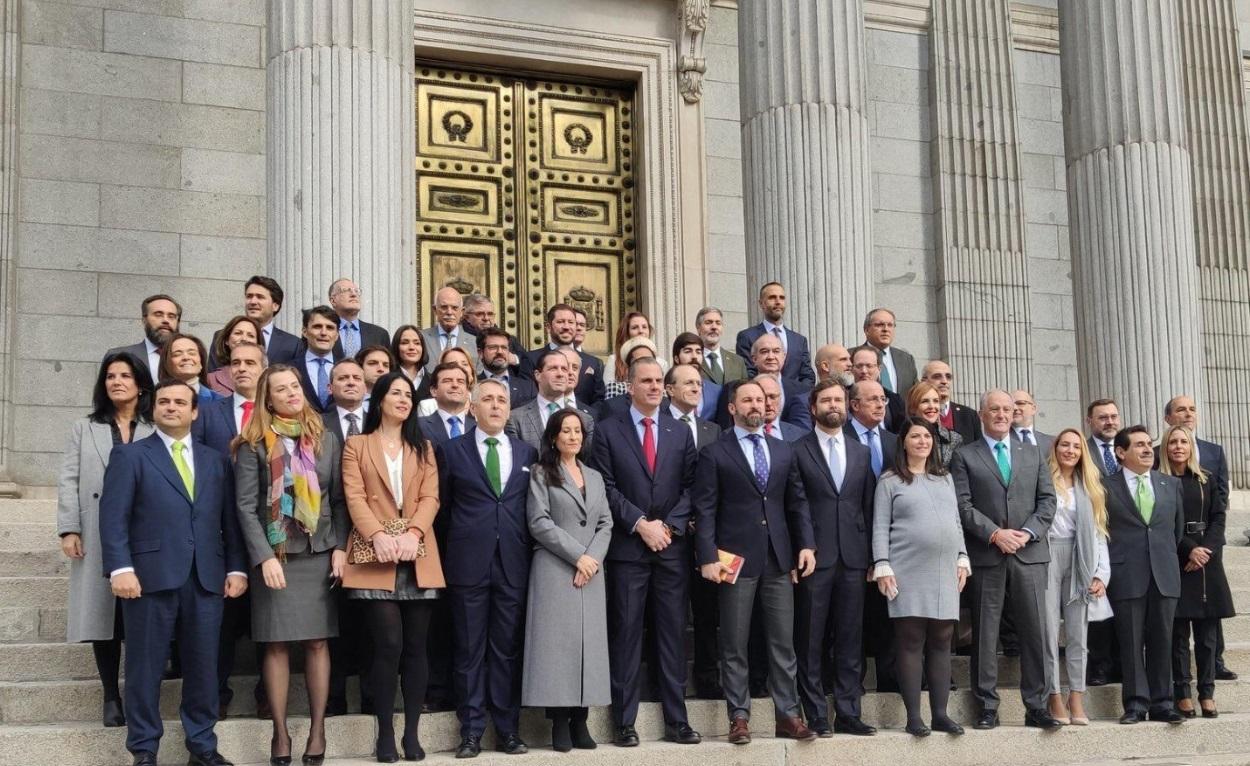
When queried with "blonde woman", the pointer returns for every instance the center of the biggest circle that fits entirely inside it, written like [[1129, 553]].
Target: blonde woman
[[293, 514], [456, 355], [1205, 595], [1078, 572]]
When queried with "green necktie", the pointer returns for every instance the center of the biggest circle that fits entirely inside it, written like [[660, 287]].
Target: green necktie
[[718, 372], [1004, 465], [552, 407], [1145, 501], [184, 470], [886, 381], [492, 465]]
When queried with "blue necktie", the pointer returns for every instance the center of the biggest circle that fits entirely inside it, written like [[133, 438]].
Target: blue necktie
[[323, 381], [351, 339], [1108, 460], [761, 462], [454, 422], [874, 446]]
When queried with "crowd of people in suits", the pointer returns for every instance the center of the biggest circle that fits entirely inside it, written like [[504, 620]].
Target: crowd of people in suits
[[482, 527]]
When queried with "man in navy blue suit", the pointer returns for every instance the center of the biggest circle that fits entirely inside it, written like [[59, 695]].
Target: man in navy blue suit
[[484, 483], [798, 362], [169, 534], [748, 501], [262, 300], [647, 459], [315, 358], [775, 424], [494, 348], [768, 357], [562, 331]]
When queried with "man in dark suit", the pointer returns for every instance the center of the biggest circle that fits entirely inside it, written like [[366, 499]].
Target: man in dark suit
[[898, 367], [315, 356], [798, 363], [647, 460], [953, 416], [769, 358], [1102, 420], [748, 501], [1006, 504], [354, 333], [1022, 425], [479, 314], [1183, 411], [494, 351], [484, 485], [161, 316], [866, 365], [552, 374], [1146, 522], [169, 535], [839, 485], [775, 424], [216, 426], [447, 332], [450, 386], [683, 385], [589, 387], [375, 361], [262, 300]]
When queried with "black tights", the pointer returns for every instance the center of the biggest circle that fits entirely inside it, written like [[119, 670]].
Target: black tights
[[399, 630], [108, 658], [919, 641]]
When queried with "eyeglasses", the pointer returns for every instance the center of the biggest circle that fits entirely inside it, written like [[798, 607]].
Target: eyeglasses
[[356, 291], [941, 376]]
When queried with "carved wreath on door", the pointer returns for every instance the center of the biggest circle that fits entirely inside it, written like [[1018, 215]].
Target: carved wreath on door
[[457, 124], [578, 137]]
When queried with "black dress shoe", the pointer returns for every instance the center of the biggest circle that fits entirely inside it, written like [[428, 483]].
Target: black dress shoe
[[1167, 716], [845, 724], [113, 715], [469, 747], [385, 751], [211, 758], [821, 727], [1039, 718], [987, 720], [1096, 679], [412, 748], [1190, 713], [917, 729], [144, 758], [682, 734], [947, 726], [1132, 717], [625, 737], [1210, 713], [512, 744], [1224, 674]]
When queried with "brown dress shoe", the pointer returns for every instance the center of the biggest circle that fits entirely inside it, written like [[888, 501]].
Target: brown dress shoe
[[794, 728], [739, 731]]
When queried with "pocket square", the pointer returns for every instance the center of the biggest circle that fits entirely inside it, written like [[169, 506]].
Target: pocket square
[[523, 468]]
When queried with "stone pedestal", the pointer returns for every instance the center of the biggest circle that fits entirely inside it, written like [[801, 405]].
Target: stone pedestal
[[339, 153], [1131, 204], [805, 160], [983, 274]]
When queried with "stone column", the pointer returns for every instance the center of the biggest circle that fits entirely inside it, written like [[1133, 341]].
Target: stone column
[[1220, 163], [1130, 199], [10, 56], [805, 158], [982, 269], [339, 151]]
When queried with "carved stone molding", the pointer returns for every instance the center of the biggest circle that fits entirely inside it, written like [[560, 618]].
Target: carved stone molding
[[691, 63]]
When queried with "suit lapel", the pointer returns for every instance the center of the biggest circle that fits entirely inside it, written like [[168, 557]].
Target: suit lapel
[[987, 457], [631, 437], [199, 458], [164, 463], [102, 438], [735, 454], [813, 448], [373, 448], [570, 487], [1120, 487]]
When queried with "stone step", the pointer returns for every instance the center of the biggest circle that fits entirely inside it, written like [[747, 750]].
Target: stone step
[[29, 625], [65, 662], [27, 510], [48, 562], [351, 739], [34, 591], [25, 536]]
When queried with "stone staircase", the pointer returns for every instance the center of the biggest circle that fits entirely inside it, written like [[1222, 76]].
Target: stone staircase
[[50, 699]]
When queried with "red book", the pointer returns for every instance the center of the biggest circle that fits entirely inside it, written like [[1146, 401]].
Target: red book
[[734, 562]]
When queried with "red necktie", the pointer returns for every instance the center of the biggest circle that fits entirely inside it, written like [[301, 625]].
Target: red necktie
[[648, 444], [947, 418], [768, 429], [247, 411]]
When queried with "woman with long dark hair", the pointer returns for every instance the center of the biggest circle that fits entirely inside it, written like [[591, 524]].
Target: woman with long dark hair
[[920, 566], [566, 626], [240, 329], [293, 515], [121, 411], [411, 358], [393, 565]]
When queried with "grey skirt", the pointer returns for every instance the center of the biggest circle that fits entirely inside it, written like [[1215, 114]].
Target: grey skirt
[[406, 588], [305, 610]]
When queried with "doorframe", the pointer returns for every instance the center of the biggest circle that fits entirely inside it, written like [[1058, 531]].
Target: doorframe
[[647, 62]]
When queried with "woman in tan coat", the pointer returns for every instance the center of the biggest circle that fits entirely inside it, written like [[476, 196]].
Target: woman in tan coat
[[391, 482]]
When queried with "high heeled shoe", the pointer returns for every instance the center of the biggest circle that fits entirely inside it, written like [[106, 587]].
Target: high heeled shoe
[[1210, 712], [412, 748], [385, 749], [279, 760]]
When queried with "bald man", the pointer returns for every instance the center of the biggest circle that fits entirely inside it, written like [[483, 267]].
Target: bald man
[[354, 333], [834, 361], [447, 332]]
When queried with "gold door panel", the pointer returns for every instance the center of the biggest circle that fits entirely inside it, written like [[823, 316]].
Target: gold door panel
[[525, 193]]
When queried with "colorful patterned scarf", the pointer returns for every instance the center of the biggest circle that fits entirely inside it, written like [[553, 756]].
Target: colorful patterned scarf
[[294, 493]]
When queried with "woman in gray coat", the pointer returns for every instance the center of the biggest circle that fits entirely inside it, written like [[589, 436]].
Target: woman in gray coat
[[293, 514], [566, 627], [121, 412], [920, 565]]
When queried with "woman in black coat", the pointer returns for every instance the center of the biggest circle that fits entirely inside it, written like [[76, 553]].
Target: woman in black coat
[[1205, 595]]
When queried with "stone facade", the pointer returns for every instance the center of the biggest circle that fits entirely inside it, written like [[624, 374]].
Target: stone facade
[[134, 158]]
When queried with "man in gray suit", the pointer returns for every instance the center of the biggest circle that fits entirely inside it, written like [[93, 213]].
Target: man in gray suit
[[161, 316], [1006, 504], [447, 331], [555, 380], [1146, 522], [1022, 423], [718, 366], [898, 367]]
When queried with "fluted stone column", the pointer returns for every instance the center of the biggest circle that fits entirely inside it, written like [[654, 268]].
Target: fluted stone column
[[805, 144], [982, 269], [339, 153], [1220, 162], [10, 58], [1138, 327]]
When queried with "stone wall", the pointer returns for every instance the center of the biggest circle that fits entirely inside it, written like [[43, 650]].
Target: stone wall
[[142, 170]]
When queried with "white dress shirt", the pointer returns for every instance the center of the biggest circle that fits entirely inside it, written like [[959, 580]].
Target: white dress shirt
[[543, 405], [1131, 480], [1063, 526], [1005, 441], [1032, 438], [637, 416], [447, 416], [359, 412], [693, 424], [239, 400], [395, 471], [266, 333], [503, 448], [311, 366], [887, 363], [448, 338], [748, 446]]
